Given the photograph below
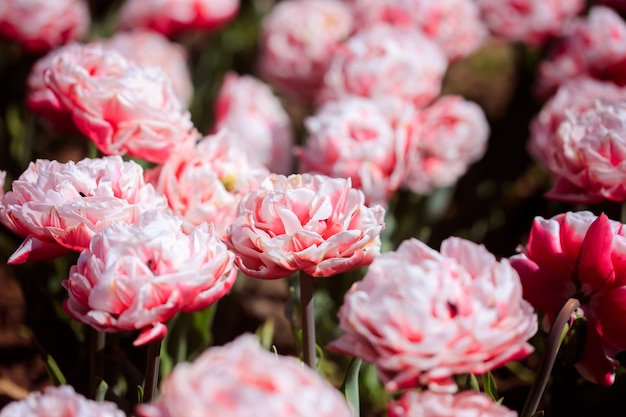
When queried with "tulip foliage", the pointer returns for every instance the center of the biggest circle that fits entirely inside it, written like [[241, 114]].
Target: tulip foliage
[[423, 201]]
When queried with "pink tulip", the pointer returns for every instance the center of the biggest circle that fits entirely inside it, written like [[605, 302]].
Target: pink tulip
[[423, 317], [59, 207], [354, 138], [593, 46], [530, 21], [171, 17], [444, 139], [123, 108], [147, 48], [248, 108], [392, 65], [242, 379], [432, 404], [205, 182], [297, 42], [454, 25], [579, 255], [41, 25], [139, 276], [60, 401], [309, 223], [573, 98]]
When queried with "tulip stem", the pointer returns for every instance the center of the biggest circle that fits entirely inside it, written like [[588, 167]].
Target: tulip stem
[[152, 370], [623, 213], [308, 319], [97, 341], [549, 357]]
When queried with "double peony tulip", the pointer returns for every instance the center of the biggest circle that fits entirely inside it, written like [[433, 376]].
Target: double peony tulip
[[422, 317]]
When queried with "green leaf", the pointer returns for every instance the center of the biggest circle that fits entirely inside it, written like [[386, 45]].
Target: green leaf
[[139, 394], [265, 333], [538, 414], [56, 376], [351, 386], [489, 386], [101, 391], [473, 382]]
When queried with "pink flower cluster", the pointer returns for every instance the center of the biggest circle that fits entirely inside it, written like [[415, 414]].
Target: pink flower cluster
[[594, 46], [432, 404], [139, 276], [40, 25], [422, 317], [242, 379], [578, 138], [248, 108], [381, 152], [59, 207], [204, 182], [579, 255], [60, 401], [309, 223], [123, 108], [454, 25], [171, 17]]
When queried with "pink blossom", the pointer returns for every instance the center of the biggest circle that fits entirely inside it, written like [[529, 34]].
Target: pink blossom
[[422, 316], [249, 109], [444, 139], [171, 17], [242, 379], [531, 21], [205, 182], [354, 138], [594, 46], [577, 138], [433, 404], [573, 98], [579, 255], [123, 108], [309, 223], [40, 25], [455, 25], [60, 401], [59, 207], [139, 276], [147, 48], [392, 65], [297, 42]]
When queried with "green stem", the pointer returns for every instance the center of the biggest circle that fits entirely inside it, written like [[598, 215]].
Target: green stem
[[152, 370], [623, 212], [549, 357], [308, 319]]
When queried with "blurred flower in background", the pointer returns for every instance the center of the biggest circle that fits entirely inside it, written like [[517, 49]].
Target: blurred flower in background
[[432, 404]]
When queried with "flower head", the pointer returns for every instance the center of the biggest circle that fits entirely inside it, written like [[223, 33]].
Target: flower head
[[395, 65], [432, 404], [579, 255], [171, 17], [204, 182], [59, 207], [242, 379], [297, 41], [248, 108], [353, 138], [50, 23], [123, 108], [140, 276], [309, 223], [60, 401], [422, 317]]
